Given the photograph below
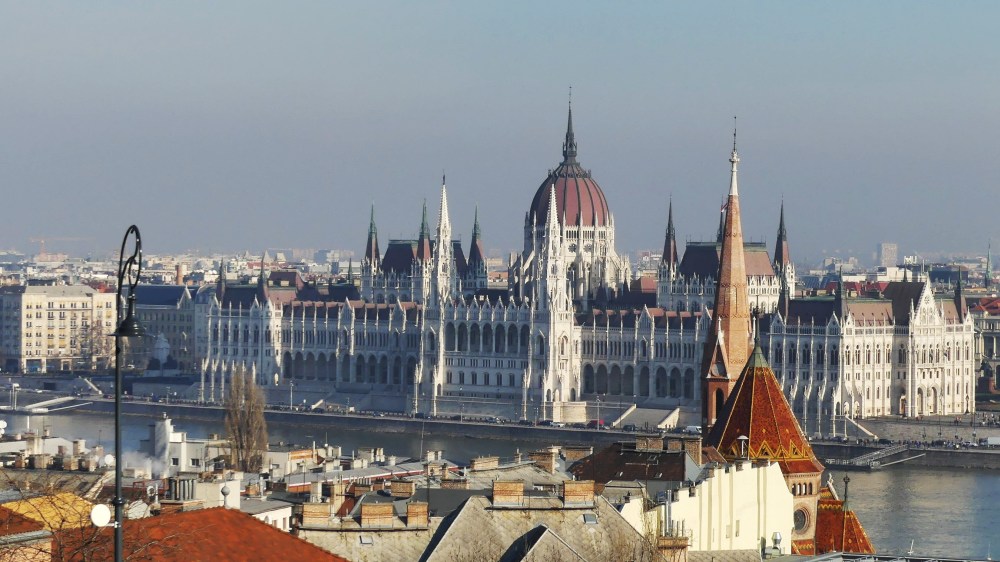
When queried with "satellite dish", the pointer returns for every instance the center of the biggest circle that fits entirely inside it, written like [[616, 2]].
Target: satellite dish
[[109, 460], [100, 515], [3, 424]]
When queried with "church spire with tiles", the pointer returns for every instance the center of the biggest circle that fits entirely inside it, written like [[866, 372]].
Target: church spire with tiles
[[727, 345]]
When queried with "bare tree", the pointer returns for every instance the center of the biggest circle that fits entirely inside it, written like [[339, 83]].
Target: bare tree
[[96, 345], [52, 503], [246, 428]]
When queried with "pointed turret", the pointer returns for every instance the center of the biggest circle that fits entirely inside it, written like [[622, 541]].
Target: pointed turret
[[424, 240], [372, 254], [721, 231], [262, 295], [782, 256], [444, 264], [728, 343], [670, 242], [477, 257]]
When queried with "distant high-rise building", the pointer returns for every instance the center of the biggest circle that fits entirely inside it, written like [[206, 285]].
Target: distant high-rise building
[[888, 254]]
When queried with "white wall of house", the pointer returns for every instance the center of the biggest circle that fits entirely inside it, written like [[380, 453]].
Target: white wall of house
[[733, 509]]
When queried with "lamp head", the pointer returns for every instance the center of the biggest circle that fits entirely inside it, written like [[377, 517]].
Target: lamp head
[[130, 327]]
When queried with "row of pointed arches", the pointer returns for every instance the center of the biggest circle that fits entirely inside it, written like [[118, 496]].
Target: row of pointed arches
[[361, 368], [486, 338], [619, 381]]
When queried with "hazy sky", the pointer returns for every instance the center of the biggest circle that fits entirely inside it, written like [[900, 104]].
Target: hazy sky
[[223, 126]]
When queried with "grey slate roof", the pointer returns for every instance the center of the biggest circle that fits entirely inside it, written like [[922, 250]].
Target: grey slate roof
[[481, 530], [159, 295], [370, 545], [540, 545]]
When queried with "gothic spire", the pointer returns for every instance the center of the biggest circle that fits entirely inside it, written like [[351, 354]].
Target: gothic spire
[[722, 223], [728, 344], [444, 220], [670, 243], [782, 255], [477, 258], [371, 248], [262, 280], [424, 240], [569, 146]]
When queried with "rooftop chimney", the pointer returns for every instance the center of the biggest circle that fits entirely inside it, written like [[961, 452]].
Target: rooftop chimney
[[508, 492], [375, 515], [578, 492], [416, 514]]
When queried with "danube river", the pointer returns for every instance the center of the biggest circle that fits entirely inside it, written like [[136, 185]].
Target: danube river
[[944, 512]]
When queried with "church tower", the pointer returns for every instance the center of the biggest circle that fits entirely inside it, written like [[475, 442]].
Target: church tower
[[727, 345]]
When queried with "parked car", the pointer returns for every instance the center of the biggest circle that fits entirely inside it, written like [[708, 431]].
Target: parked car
[[596, 424], [525, 422], [630, 427]]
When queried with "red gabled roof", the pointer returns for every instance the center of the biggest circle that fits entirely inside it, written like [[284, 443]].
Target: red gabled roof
[[757, 409], [217, 534]]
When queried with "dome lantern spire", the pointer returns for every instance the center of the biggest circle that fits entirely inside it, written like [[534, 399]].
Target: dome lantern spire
[[569, 146]]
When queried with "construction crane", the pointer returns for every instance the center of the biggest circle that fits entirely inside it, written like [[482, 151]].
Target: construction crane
[[41, 242]]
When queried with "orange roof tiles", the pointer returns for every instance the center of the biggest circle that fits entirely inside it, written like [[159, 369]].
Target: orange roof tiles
[[217, 534], [14, 523], [757, 409], [839, 530]]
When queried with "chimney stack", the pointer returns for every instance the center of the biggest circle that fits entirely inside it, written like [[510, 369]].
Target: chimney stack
[[416, 514], [508, 492]]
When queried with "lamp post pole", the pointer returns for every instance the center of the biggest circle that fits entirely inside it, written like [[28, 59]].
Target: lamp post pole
[[129, 270]]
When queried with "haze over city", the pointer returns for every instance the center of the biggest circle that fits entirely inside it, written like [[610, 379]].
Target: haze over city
[[227, 126]]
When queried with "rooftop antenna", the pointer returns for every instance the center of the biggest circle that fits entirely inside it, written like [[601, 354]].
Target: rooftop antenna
[[910, 552]]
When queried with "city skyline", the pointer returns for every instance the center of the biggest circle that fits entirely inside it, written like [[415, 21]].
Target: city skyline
[[221, 129]]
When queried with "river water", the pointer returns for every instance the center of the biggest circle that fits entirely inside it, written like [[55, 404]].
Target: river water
[[944, 512]]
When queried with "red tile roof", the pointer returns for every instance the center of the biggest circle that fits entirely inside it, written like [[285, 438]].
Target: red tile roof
[[217, 534], [757, 409], [838, 529], [13, 523]]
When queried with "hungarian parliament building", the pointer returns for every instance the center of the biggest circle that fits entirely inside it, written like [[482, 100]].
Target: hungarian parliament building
[[425, 330]]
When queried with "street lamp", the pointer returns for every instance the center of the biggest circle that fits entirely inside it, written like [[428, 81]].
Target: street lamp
[[291, 403], [129, 269]]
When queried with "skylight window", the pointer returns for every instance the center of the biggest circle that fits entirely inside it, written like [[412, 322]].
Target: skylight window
[[590, 519], [366, 540]]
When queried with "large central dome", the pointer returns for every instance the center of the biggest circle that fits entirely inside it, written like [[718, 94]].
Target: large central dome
[[579, 200]]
